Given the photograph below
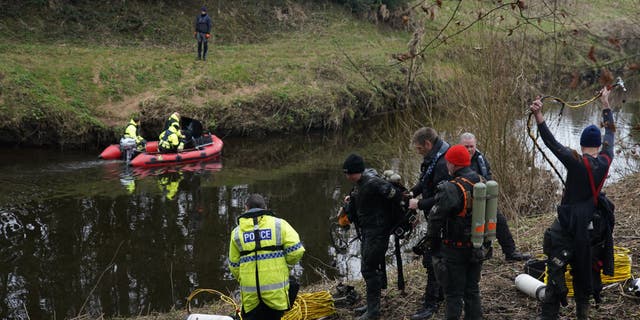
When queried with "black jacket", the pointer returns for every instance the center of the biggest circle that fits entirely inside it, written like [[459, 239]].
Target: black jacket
[[202, 24], [480, 164], [373, 196], [432, 171]]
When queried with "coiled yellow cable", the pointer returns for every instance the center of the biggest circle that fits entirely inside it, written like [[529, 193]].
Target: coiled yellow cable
[[223, 297], [621, 269], [309, 306]]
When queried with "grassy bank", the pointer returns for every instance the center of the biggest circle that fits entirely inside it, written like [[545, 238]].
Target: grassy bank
[[282, 67]]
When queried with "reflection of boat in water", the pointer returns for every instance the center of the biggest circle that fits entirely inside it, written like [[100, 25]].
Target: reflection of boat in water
[[141, 172], [202, 152]]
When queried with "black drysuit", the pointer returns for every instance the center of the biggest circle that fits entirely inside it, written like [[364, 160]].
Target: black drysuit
[[569, 239]]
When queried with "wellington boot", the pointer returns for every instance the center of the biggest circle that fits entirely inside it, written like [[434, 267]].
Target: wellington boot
[[360, 310], [582, 311], [370, 316]]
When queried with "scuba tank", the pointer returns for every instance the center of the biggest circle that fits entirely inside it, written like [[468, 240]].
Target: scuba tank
[[533, 287], [492, 210], [478, 214]]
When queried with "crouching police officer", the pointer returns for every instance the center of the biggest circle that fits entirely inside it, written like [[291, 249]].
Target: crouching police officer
[[261, 248], [368, 201], [458, 264]]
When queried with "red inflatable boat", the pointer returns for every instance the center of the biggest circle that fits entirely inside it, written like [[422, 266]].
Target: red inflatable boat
[[204, 152], [113, 152]]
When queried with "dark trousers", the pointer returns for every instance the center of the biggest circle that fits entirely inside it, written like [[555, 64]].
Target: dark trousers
[[556, 241], [433, 294], [203, 43], [505, 239], [373, 248], [461, 282], [262, 312]]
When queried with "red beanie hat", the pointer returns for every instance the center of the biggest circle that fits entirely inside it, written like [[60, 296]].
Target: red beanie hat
[[458, 155]]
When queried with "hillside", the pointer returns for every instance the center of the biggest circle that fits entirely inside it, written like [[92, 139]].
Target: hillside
[[73, 72]]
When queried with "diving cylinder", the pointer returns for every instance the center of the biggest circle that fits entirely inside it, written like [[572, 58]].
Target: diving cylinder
[[478, 214], [492, 210], [198, 316], [533, 287]]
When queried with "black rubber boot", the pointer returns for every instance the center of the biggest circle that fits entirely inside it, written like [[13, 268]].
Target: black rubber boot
[[517, 256], [425, 313], [582, 311], [360, 310]]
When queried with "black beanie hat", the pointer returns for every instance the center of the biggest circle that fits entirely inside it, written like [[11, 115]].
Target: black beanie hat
[[353, 164]]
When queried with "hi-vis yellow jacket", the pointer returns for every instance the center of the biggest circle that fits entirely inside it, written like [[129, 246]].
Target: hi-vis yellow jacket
[[262, 269], [132, 132], [170, 138]]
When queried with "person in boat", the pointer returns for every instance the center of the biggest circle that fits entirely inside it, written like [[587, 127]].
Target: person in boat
[[173, 118], [171, 139], [261, 249], [132, 131], [581, 234], [480, 164]]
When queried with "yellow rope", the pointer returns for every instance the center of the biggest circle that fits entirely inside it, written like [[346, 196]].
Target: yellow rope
[[621, 269], [310, 306], [223, 297], [574, 106]]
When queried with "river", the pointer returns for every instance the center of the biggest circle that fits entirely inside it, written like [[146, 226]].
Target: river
[[79, 235]]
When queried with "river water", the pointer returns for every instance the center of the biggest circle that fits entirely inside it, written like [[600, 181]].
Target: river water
[[79, 235]]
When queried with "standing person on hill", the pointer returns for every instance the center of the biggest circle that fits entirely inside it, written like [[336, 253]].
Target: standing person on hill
[[202, 32], [261, 249], [367, 208], [449, 226], [581, 235], [432, 171], [480, 164]]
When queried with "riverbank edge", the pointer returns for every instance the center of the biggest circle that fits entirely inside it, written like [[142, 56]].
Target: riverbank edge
[[497, 283]]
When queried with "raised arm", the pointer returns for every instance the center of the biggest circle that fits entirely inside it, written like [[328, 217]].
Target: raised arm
[[563, 153], [607, 122]]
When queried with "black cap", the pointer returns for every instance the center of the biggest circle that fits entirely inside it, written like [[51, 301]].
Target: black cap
[[353, 164]]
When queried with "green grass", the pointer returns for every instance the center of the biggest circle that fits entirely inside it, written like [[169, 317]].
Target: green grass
[[317, 70]]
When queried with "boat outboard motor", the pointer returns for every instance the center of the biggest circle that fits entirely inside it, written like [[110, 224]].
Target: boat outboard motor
[[128, 148]]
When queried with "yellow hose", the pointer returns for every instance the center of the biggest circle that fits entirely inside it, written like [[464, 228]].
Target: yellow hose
[[621, 269], [308, 306], [223, 297], [311, 306]]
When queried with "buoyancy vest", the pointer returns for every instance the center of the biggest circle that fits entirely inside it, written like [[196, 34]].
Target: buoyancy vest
[[261, 247], [458, 225]]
